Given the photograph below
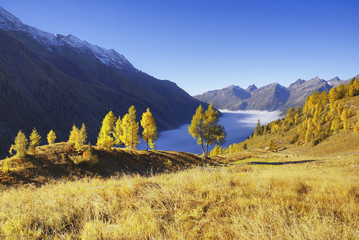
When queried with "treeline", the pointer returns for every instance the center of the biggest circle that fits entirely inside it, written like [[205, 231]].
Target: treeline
[[115, 132], [321, 116]]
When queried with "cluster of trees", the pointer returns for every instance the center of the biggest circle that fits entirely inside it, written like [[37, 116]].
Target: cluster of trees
[[234, 148], [21, 144], [78, 136], [115, 132], [322, 115], [205, 128]]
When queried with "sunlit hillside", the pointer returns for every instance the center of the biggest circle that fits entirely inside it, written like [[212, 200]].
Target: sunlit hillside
[[327, 124], [62, 161], [312, 200]]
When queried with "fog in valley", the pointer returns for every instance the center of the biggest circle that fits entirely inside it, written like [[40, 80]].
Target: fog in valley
[[238, 125]]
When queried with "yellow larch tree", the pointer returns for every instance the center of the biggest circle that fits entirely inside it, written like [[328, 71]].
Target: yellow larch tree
[[333, 95], [118, 131], [35, 140], [272, 145], [78, 136], [196, 129], [341, 90], [309, 132], [335, 125], [82, 136], [149, 134], [105, 138], [129, 126], [20, 145], [74, 133], [346, 113], [346, 125], [205, 128], [214, 132], [51, 137]]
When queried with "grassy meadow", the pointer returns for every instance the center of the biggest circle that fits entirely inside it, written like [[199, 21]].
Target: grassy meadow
[[307, 200]]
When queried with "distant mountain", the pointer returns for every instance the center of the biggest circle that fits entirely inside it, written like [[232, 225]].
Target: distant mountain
[[301, 89], [271, 97], [251, 88], [51, 81], [227, 98]]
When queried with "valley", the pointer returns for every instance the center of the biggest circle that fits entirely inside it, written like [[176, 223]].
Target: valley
[[92, 147]]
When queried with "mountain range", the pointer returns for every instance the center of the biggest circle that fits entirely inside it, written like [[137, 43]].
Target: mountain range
[[52, 81], [270, 97]]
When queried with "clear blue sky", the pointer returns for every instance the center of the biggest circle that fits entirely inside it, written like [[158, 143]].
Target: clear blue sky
[[210, 44]]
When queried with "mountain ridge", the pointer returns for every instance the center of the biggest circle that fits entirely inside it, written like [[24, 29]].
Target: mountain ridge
[[107, 56], [270, 97]]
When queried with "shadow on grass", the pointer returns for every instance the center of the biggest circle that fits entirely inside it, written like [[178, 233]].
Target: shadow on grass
[[280, 163]]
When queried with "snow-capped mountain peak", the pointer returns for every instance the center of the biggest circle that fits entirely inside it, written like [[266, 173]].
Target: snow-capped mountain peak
[[8, 18], [108, 57]]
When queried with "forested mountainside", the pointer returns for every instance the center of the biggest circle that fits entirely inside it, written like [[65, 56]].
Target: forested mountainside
[[52, 81], [325, 118], [270, 97]]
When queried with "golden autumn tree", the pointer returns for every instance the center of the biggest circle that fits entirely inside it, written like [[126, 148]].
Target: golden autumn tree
[[196, 128], [74, 133], [290, 117], [19, 145], [346, 125], [105, 139], [333, 95], [130, 128], [149, 134], [35, 140], [335, 126], [258, 130], [272, 145], [309, 132], [118, 131], [215, 133], [205, 128], [82, 137], [342, 91], [51, 137], [78, 136]]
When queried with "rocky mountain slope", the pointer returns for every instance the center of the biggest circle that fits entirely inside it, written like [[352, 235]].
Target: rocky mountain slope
[[270, 97], [51, 81]]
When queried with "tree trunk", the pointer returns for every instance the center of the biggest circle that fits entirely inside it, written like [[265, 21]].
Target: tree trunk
[[203, 148], [203, 153]]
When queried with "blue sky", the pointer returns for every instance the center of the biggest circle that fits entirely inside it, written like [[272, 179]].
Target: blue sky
[[210, 44]]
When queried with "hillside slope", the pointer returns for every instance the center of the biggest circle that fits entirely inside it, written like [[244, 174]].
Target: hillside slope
[[59, 161], [327, 125]]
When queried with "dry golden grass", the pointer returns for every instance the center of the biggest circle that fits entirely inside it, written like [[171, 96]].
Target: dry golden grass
[[317, 200], [56, 161]]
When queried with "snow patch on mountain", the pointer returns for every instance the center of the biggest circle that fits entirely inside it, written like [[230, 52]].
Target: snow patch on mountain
[[108, 57]]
